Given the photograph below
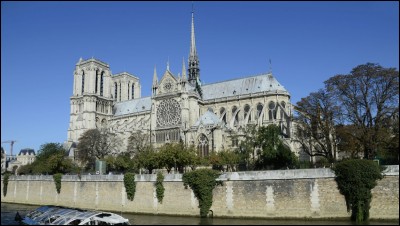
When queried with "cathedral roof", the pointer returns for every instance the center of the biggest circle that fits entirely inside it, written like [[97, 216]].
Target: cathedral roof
[[208, 118], [242, 86], [132, 106]]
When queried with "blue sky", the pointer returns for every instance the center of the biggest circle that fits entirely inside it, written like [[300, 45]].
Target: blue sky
[[307, 42]]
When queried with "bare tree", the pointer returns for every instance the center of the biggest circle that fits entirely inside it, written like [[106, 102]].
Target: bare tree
[[368, 97], [315, 125], [96, 144], [138, 142]]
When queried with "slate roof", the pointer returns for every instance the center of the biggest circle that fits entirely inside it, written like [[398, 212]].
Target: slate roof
[[242, 86], [132, 106], [27, 151], [208, 118]]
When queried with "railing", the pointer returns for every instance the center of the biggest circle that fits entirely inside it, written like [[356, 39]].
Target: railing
[[391, 170]]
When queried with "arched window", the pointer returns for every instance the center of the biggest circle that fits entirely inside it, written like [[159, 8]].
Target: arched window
[[103, 123], [128, 88], [283, 104], [83, 82], [272, 110], [116, 91], [120, 92], [247, 112], [202, 147], [259, 110], [101, 84], [222, 112], [236, 120]]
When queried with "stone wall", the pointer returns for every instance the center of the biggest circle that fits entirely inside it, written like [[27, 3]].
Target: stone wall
[[306, 193]]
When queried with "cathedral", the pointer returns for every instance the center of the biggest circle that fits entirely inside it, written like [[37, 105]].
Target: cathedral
[[180, 108]]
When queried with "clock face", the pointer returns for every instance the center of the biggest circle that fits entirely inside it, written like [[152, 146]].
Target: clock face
[[168, 85], [168, 113]]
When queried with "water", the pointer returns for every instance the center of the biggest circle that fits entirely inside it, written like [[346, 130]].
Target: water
[[9, 210]]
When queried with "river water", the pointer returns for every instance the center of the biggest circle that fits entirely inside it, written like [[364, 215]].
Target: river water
[[8, 211]]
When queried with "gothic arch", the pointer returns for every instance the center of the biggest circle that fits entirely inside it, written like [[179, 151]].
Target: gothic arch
[[235, 116], [247, 113], [222, 114], [203, 145]]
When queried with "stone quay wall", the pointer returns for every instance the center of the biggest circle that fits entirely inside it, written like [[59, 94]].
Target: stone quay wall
[[285, 194]]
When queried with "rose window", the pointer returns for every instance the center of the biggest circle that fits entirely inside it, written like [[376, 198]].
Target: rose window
[[168, 113]]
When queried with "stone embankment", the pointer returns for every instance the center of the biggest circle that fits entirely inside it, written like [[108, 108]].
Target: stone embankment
[[303, 193]]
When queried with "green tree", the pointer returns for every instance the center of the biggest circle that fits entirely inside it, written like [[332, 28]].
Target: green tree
[[247, 148], [274, 154], [147, 159], [121, 163], [355, 179], [177, 156], [51, 158], [368, 97]]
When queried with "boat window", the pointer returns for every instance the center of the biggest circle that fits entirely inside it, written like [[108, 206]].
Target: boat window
[[75, 222]]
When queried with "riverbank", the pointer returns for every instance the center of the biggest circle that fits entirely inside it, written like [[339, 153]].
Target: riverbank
[[279, 194]]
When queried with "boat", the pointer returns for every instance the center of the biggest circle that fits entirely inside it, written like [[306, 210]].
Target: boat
[[57, 215]]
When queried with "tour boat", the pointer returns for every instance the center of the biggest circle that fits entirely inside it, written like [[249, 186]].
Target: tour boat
[[56, 215]]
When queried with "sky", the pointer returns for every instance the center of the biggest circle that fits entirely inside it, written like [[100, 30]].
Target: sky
[[306, 42]]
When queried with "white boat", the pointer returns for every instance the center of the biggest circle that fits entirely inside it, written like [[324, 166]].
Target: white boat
[[56, 215]]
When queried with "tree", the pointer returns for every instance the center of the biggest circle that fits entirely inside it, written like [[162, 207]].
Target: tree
[[51, 159], [274, 153], [177, 156], [367, 97], [315, 125], [147, 158], [95, 144], [247, 147], [138, 142]]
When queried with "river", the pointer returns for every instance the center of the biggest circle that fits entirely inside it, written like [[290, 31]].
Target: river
[[8, 211]]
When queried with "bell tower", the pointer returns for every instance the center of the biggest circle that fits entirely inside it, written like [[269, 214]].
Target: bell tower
[[91, 102]]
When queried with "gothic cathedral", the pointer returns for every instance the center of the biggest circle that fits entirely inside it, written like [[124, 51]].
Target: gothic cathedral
[[180, 108]]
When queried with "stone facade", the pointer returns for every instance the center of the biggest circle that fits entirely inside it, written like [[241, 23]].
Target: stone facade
[[180, 108], [297, 194]]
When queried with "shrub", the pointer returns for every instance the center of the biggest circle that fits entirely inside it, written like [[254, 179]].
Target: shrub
[[5, 183], [355, 179], [130, 185], [202, 182], [57, 180], [159, 187]]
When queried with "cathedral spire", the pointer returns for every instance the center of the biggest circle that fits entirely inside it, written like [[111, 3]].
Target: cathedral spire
[[155, 79], [192, 38], [193, 61]]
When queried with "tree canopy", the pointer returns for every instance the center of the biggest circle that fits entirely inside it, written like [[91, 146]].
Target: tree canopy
[[95, 144], [51, 159]]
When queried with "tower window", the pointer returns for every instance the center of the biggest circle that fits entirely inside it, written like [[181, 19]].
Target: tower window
[[116, 91], [83, 82], [101, 84], [95, 87], [133, 91]]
